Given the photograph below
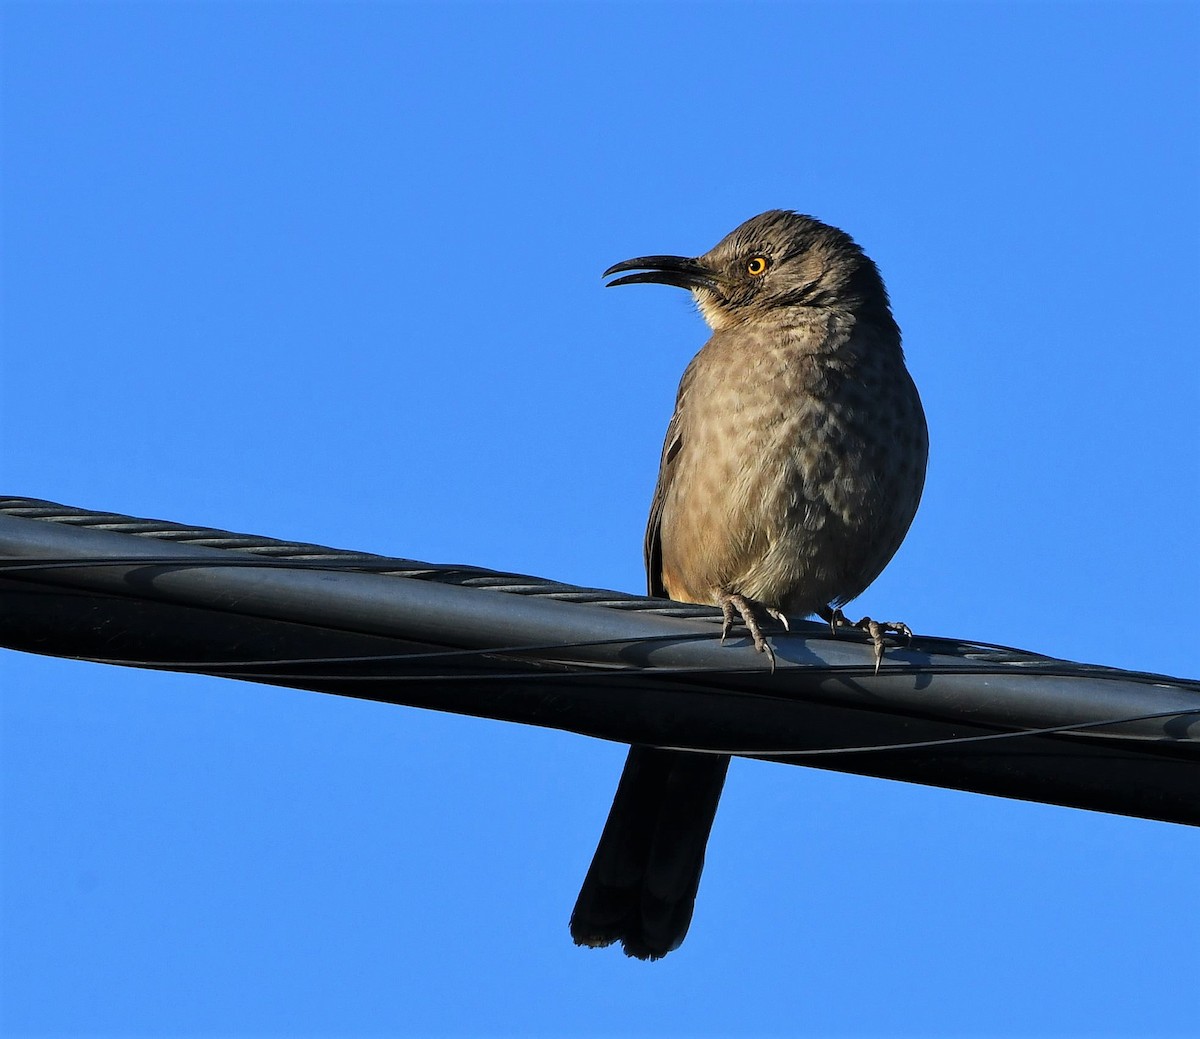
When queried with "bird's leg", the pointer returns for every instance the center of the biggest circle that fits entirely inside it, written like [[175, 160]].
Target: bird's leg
[[875, 629], [732, 602]]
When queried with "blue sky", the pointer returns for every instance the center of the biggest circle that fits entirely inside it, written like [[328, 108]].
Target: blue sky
[[331, 272]]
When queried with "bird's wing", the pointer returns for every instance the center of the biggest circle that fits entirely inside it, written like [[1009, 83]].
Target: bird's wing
[[672, 444]]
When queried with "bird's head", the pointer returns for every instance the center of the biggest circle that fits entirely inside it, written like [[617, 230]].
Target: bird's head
[[774, 261]]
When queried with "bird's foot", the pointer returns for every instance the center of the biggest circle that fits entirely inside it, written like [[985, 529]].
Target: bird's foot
[[746, 608], [875, 629]]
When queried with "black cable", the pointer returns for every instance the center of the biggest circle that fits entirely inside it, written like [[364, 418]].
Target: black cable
[[948, 741], [1052, 666], [528, 677], [460, 576]]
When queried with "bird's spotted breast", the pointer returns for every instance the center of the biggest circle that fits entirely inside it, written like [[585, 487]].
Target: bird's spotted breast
[[798, 471]]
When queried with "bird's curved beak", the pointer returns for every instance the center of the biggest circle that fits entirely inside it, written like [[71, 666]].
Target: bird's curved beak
[[681, 271]]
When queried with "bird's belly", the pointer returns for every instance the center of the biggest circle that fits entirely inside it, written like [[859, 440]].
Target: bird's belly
[[798, 515]]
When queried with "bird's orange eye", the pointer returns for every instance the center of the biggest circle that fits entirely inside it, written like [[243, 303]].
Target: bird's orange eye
[[757, 266]]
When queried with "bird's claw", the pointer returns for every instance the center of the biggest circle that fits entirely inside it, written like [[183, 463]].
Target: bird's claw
[[779, 616], [739, 605], [834, 618], [876, 630]]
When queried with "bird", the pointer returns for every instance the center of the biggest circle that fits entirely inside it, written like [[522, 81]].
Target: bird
[[791, 471]]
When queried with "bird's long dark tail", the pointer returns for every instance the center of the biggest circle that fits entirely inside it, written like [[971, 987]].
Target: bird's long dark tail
[[641, 887]]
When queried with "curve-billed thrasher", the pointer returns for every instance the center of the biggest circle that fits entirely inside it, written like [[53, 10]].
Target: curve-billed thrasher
[[791, 471]]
